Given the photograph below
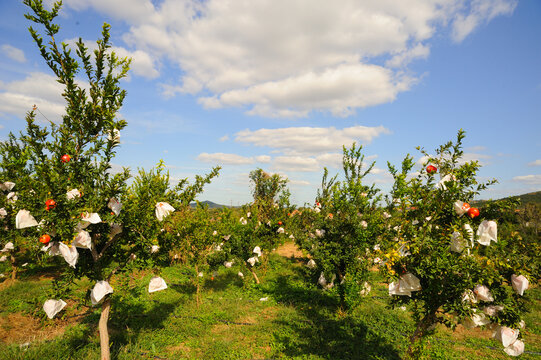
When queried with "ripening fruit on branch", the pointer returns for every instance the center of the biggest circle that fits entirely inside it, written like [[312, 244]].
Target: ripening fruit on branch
[[473, 212], [65, 158], [431, 169], [44, 239], [50, 204]]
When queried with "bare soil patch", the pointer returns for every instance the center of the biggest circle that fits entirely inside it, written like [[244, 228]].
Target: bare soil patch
[[19, 329], [7, 283], [461, 333], [290, 250]]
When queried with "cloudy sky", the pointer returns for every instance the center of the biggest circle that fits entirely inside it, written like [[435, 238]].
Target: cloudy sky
[[283, 84]]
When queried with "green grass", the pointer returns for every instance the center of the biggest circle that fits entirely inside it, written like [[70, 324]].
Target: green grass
[[297, 322]]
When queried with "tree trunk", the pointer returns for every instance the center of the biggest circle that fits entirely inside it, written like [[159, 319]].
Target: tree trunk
[[197, 287], [197, 294], [420, 331], [342, 295], [255, 276], [13, 268], [104, 332], [341, 290]]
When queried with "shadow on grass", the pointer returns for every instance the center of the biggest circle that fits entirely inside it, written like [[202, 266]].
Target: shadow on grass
[[222, 281], [187, 288], [325, 331], [130, 318], [138, 323], [35, 272]]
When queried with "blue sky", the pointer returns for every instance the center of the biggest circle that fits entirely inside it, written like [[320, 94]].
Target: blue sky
[[282, 85]]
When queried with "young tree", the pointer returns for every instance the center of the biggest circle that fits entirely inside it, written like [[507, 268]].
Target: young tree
[[13, 159], [67, 195], [149, 202], [155, 232], [518, 231], [248, 240], [526, 236], [342, 227], [270, 192], [439, 251]]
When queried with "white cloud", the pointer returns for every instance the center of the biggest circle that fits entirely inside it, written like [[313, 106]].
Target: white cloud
[[18, 97], [13, 53], [275, 58], [380, 176], [529, 179], [132, 10], [296, 163], [330, 159], [308, 149], [224, 138], [309, 140], [423, 160], [299, 163], [480, 12], [340, 90], [222, 158], [378, 171], [298, 182], [263, 158], [232, 159], [117, 169], [403, 58], [142, 63], [481, 158], [413, 174], [535, 163], [466, 157]]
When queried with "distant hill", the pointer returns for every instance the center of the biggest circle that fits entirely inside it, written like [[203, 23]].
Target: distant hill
[[534, 197], [211, 205], [529, 198]]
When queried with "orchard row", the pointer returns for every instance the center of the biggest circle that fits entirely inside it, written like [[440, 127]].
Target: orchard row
[[60, 199]]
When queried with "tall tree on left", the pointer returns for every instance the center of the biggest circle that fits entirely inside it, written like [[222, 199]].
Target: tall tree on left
[[67, 196]]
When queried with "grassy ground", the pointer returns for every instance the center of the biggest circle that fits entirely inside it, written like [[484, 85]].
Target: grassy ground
[[295, 322]]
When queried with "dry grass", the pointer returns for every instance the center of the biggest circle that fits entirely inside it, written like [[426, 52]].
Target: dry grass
[[20, 329], [290, 250]]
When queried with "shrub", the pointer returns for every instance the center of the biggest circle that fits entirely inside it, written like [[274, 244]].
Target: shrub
[[441, 257]]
